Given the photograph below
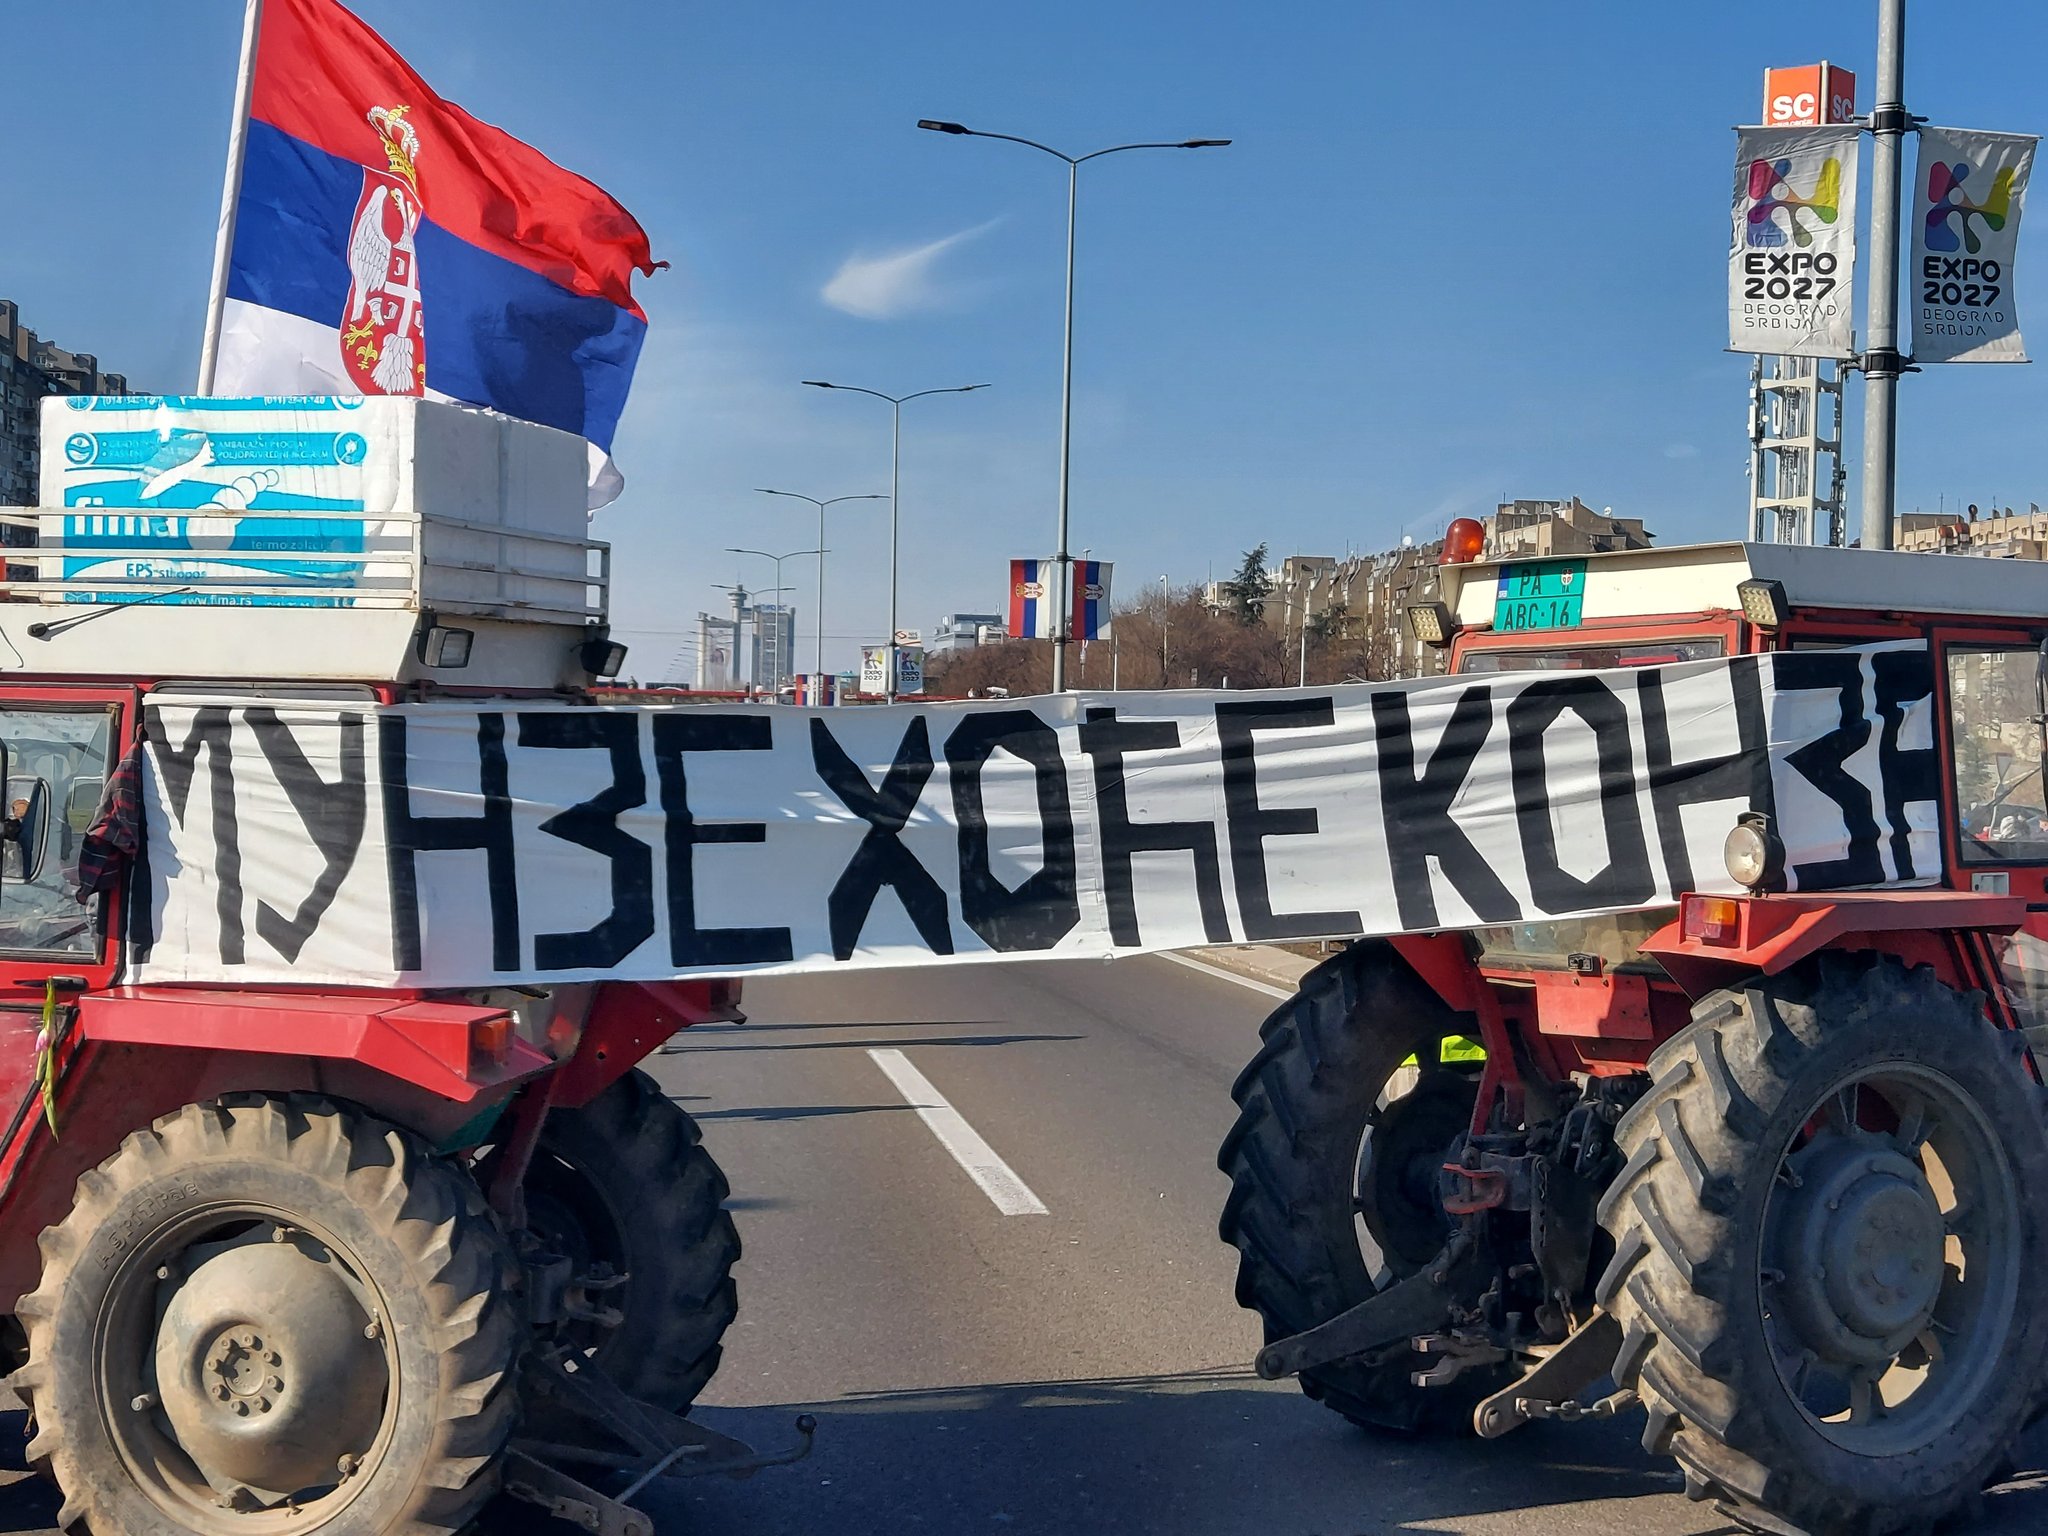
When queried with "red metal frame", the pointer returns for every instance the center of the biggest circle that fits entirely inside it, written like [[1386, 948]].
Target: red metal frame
[[1603, 1023], [129, 1054]]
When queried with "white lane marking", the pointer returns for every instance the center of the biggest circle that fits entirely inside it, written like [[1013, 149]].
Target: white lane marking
[[1012, 1196], [1216, 970]]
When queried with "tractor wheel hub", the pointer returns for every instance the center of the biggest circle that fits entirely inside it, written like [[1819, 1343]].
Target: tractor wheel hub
[[1862, 1249], [265, 1367]]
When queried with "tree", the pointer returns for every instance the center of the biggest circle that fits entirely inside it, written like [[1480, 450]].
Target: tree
[[1250, 588]]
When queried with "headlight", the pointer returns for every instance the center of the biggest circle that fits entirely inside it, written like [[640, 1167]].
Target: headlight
[[1750, 853]]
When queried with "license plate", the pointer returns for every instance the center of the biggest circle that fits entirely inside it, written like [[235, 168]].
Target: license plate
[[1540, 594]]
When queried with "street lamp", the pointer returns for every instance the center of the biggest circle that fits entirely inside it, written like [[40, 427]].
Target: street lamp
[[1062, 582], [775, 678], [896, 403], [1165, 603], [821, 506]]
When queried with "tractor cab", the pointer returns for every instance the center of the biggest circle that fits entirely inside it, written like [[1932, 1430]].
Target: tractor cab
[[1985, 620]]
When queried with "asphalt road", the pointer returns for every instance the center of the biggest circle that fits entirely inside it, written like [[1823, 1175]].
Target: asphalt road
[[1062, 1373]]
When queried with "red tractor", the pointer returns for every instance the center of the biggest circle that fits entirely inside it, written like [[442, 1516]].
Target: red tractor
[[1772, 1165], [344, 1259]]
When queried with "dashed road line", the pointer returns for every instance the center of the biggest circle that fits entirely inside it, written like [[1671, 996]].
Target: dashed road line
[[1011, 1195], [1216, 970]]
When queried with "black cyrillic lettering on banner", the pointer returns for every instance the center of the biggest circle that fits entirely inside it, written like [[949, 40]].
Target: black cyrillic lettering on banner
[[689, 945], [1044, 908], [1821, 763], [210, 730], [406, 836], [1416, 811], [332, 814], [881, 859], [594, 824], [1627, 877], [1744, 774], [1106, 740], [1251, 824], [1909, 774]]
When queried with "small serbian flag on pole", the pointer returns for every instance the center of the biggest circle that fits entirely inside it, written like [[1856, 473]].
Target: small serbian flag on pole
[[376, 239], [1031, 599], [1090, 606]]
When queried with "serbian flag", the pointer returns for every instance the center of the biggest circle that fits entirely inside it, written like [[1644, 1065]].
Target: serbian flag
[[388, 243], [1031, 599]]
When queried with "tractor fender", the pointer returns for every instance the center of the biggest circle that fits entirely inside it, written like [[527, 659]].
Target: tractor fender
[[453, 1050], [628, 1021], [1775, 932]]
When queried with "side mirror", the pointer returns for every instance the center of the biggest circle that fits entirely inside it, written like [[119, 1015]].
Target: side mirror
[[26, 826]]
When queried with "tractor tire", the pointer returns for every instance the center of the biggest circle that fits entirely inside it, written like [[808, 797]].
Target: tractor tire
[[1332, 1170], [626, 1181], [277, 1315], [1820, 1161]]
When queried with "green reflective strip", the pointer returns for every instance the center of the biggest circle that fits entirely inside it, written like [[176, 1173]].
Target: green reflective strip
[[1453, 1048]]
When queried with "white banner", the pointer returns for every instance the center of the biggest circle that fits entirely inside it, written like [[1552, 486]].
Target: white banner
[[453, 844], [1792, 254], [1967, 195]]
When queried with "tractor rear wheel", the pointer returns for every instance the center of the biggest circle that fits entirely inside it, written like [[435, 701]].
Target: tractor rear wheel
[[1836, 1189], [1346, 1117], [271, 1316], [626, 1188]]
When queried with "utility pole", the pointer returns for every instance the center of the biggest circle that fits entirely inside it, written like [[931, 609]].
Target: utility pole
[[1882, 364]]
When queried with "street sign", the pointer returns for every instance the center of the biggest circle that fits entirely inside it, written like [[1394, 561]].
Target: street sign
[[910, 637]]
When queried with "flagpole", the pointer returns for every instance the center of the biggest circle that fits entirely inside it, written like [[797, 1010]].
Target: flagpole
[[230, 199]]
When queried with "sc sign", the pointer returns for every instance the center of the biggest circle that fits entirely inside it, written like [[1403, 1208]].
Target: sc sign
[[1809, 96]]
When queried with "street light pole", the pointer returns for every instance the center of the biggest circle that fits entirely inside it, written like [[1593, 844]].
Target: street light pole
[[1062, 624], [896, 404], [1164, 603], [781, 661], [1882, 364], [821, 506]]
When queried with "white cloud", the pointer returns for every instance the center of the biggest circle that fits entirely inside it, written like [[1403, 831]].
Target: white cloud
[[894, 283]]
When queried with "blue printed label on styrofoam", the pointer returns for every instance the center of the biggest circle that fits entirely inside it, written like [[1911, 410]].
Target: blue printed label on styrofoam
[[179, 447], [215, 402]]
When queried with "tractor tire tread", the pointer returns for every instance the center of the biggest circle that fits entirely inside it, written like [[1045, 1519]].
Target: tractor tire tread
[[454, 1259], [1688, 1144]]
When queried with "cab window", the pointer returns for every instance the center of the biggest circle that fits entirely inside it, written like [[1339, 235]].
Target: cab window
[[1996, 737], [56, 768]]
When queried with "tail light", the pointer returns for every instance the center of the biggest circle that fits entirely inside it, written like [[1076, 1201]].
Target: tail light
[[490, 1041], [1463, 541], [1711, 919]]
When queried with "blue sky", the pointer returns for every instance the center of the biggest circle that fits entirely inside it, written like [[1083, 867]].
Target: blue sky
[[1457, 250]]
